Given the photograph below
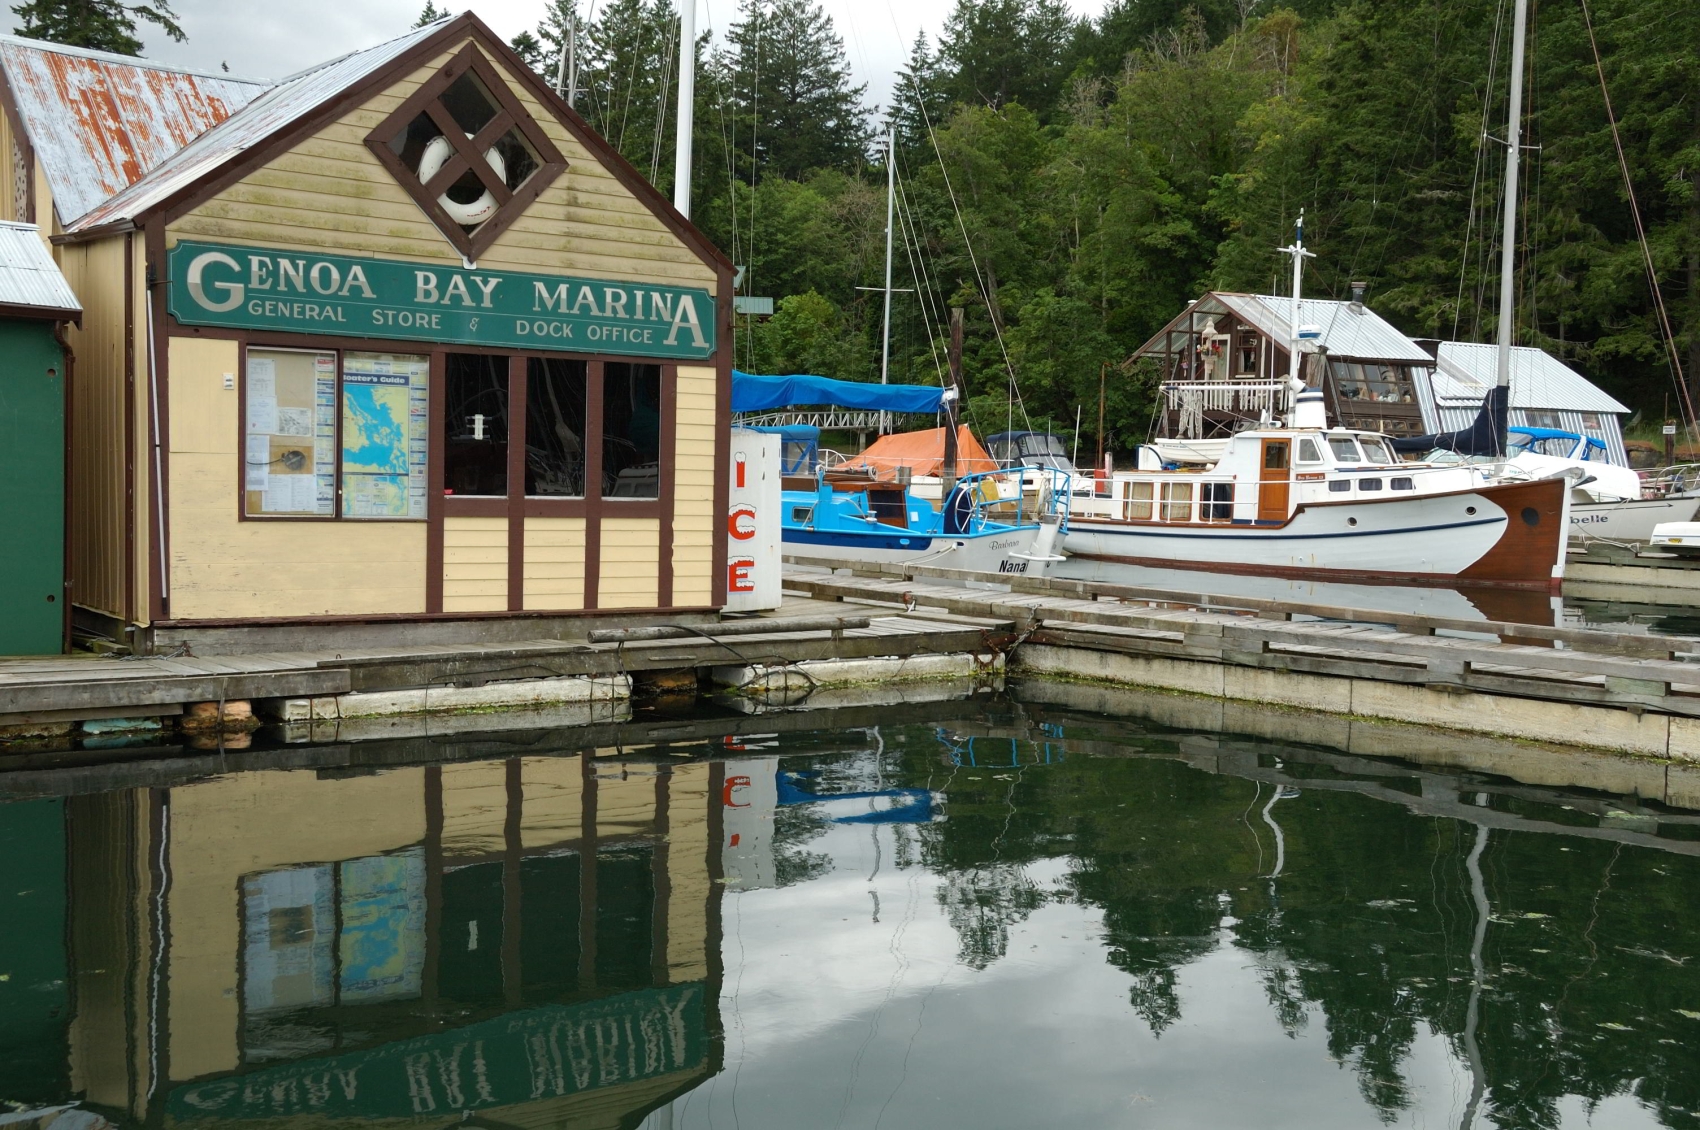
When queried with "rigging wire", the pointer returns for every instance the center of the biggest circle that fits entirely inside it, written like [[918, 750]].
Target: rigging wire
[[1641, 232], [1476, 176], [973, 259], [669, 55]]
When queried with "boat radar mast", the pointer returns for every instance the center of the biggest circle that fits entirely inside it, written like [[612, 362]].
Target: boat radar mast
[[1299, 254]]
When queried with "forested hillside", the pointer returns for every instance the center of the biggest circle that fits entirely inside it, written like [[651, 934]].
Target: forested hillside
[[1072, 184]]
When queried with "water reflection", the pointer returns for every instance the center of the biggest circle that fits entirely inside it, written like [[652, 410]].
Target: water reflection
[[1003, 913], [529, 939]]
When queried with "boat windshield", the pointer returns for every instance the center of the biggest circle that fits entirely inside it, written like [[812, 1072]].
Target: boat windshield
[[1345, 449], [1375, 450]]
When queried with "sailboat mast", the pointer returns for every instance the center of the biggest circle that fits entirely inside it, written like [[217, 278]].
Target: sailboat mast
[[687, 103], [1513, 158], [1298, 250], [890, 194]]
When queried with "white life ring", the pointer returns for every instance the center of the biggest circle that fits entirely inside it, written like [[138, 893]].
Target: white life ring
[[431, 162]]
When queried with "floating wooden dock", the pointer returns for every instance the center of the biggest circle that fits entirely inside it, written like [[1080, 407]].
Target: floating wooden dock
[[1617, 691]]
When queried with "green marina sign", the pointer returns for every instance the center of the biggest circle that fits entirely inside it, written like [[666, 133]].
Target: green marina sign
[[253, 288]]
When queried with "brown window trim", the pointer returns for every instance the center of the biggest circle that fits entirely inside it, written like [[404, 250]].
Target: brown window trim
[[469, 152]]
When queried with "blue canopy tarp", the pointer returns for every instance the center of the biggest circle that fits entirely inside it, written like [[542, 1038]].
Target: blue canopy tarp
[[1554, 433], [760, 394]]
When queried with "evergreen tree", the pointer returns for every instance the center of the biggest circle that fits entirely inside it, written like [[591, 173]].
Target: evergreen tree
[[789, 91], [1001, 51], [101, 25], [430, 15], [918, 99]]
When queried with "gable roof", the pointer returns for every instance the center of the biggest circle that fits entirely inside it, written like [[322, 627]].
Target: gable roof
[[274, 110], [1466, 370], [299, 102], [30, 282], [1347, 332], [99, 122]]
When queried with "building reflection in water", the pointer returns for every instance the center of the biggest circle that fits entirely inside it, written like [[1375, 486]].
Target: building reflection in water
[[533, 940]]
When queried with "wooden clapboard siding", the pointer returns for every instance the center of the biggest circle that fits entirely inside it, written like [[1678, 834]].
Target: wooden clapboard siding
[[222, 566], [694, 520], [554, 563], [553, 799], [331, 194], [475, 808], [690, 886], [103, 403], [630, 574], [475, 564]]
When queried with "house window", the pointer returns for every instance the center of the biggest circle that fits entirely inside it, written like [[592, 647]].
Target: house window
[[1538, 418], [555, 414], [319, 426], [476, 426], [467, 152], [631, 431], [1248, 350], [1593, 423]]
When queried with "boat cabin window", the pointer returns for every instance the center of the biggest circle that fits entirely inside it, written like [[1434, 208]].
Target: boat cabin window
[[1375, 451], [1339, 486], [1139, 501], [1345, 449], [1218, 505], [1369, 484], [1177, 502], [1308, 451], [1402, 484]]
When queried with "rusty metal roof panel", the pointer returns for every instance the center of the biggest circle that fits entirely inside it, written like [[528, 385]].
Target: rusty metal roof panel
[[28, 274], [99, 122], [272, 111]]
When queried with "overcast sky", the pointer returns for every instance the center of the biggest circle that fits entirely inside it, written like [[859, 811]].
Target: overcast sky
[[265, 39]]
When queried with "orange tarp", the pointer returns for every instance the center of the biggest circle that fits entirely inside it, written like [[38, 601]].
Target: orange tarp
[[923, 453]]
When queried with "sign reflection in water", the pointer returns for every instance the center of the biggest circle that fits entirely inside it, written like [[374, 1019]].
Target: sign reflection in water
[[980, 914]]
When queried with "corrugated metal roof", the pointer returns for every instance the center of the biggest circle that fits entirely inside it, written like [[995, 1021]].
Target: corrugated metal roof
[[1349, 334], [28, 274], [277, 108], [1466, 370], [99, 122]]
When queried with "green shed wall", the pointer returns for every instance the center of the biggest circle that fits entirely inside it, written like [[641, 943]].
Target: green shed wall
[[32, 505]]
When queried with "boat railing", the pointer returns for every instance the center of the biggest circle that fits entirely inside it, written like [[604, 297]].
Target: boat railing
[[1018, 496]]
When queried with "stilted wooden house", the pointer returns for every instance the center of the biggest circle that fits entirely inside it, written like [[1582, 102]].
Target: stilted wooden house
[[397, 345]]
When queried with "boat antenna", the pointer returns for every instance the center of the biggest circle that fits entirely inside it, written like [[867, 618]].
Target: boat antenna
[[1508, 222], [1299, 254]]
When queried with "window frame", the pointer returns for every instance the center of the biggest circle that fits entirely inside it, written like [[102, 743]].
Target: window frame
[[246, 345], [510, 114]]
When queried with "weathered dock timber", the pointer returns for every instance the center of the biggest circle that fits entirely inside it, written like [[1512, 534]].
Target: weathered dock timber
[[1630, 693]]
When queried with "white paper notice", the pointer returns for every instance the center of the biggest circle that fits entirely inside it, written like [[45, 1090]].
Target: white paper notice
[[258, 463], [262, 376], [294, 421], [280, 496], [304, 490], [262, 414]]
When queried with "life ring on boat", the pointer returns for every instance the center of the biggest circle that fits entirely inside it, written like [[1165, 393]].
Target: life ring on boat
[[431, 162]]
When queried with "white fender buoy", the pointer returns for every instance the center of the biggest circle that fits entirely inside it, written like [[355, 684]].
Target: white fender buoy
[[431, 162]]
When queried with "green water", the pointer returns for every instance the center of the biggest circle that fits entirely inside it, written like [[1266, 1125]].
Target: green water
[[978, 914]]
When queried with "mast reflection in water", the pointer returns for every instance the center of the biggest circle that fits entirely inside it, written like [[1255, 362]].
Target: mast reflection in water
[[950, 915]]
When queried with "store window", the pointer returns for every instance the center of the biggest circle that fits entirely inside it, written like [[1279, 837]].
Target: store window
[[631, 431], [555, 414], [475, 419], [319, 425]]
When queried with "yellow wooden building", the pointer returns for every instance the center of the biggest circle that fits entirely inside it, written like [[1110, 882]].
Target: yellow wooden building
[[397, 341]]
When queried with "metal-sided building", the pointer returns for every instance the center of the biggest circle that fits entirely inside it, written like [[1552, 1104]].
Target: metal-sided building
[[1545, 393], [397, 345], [35, 303]]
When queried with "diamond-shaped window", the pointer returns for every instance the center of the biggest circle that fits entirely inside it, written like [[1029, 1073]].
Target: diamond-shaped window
[[467, 152]]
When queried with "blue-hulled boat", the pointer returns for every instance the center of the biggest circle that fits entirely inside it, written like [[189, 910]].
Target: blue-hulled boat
[[1004, 521]]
